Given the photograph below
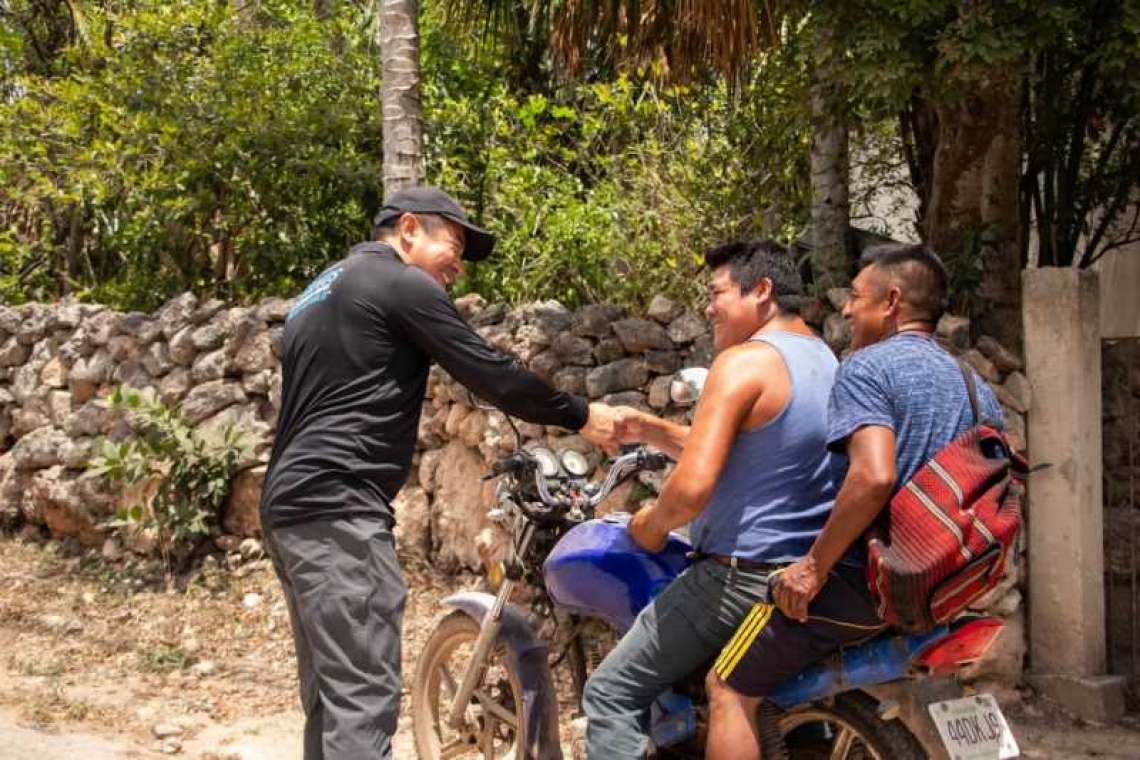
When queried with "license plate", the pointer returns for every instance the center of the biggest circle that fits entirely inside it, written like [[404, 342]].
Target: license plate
[[973, 728]]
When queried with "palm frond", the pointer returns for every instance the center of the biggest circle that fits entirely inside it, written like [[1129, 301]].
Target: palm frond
[[686, 38], [678, 39]]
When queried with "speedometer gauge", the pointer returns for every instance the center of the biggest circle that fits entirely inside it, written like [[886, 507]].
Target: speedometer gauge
[[575, 463], [547, 462]]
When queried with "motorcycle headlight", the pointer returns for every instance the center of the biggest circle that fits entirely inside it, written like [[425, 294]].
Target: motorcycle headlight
[[575, 463], [547, 462]]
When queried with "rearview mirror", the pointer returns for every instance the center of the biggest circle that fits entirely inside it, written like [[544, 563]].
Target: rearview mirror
[[687, 385]]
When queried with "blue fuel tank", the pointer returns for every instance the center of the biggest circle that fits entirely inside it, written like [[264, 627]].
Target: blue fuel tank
[[597, 570]]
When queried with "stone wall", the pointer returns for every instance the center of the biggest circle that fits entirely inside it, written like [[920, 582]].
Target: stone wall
[[221, 364]]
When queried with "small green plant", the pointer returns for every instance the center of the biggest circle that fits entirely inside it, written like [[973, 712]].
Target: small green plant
[[164, 659], [181, 474]]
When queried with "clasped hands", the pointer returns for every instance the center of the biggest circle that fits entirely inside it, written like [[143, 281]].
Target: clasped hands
[[608, 427]]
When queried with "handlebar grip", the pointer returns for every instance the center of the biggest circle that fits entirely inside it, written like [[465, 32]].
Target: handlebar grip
[[510, 463], [653, 461]]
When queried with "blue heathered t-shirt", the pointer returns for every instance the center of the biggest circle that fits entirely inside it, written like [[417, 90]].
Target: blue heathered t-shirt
[[909, 384]]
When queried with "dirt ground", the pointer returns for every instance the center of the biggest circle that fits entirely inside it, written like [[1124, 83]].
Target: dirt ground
[[102, 660]]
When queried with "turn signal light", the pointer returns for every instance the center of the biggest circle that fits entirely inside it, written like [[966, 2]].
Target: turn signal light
[[495, 574]]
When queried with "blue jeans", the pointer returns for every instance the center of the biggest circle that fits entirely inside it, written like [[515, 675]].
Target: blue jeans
[[681, 630]]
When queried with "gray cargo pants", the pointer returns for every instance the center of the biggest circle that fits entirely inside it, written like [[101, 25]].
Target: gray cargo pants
[[346, 596]]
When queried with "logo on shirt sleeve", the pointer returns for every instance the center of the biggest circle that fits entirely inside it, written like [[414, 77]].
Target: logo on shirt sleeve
[[317, 291]]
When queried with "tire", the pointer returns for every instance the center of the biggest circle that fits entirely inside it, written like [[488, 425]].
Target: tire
[[815, 731], [492, 735]]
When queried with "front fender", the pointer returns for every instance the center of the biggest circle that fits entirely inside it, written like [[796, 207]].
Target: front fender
[[527, 655]]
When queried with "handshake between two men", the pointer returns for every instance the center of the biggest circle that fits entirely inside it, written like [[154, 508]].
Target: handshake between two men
[[610, 427]]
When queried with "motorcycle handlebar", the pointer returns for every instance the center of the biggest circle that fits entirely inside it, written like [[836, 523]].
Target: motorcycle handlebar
[[625, 465], [622, 467]]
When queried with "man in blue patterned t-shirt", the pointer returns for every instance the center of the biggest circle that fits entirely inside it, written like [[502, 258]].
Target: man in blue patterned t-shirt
[[897, 400]]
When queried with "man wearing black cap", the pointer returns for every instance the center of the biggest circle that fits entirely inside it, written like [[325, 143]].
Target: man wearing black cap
[[357, 347]]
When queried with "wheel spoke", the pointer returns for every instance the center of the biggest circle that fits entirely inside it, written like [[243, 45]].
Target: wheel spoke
[[844, 740], [488, 737], [446, 678], [501, 714], [455, 748]]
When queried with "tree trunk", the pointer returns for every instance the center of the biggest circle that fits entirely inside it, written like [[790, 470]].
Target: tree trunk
[[400, 94], [830, 207], [972, 216], [70, 256]]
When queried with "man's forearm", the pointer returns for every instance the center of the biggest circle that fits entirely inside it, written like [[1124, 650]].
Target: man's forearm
[[859, 502], [678, 504], [664, 435]]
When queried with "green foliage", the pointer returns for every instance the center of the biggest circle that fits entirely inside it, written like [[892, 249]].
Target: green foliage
[[176, 146], [172, 148], [1070, 63], [610, 191], [1082, 135], [164, 659], [150, 147], [182, 474]]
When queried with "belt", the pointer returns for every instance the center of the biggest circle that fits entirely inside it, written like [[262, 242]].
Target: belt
[[736, 562]]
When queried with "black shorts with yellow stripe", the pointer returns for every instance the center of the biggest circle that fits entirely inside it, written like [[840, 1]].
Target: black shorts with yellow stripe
[[768, 648]]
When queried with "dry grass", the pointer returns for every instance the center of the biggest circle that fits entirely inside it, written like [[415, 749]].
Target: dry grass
[[119, 646]]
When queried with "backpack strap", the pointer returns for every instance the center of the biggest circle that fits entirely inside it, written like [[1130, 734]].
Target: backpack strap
[[972, 389]]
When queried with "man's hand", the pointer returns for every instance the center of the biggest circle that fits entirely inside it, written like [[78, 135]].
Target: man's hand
[[642, 530], [798, 585], [628, 426], [600, 428]]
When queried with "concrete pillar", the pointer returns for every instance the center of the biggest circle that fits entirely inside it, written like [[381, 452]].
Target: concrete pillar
[[1065, 515]]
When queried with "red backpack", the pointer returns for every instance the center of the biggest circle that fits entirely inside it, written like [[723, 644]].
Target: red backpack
[[949, 531]]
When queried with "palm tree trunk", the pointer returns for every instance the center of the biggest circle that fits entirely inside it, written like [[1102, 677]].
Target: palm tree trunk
[[400, 94], [830, 207]]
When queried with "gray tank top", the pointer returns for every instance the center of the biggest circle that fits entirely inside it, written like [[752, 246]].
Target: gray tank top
[[779, 484]]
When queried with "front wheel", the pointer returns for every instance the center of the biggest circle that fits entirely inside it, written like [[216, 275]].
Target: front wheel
[[495, 717], [846, 729]]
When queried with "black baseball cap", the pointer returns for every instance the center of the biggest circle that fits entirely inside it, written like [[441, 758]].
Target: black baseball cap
[[425, 199]]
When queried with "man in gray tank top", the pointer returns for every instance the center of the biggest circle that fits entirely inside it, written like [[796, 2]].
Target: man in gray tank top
[[753, 475]]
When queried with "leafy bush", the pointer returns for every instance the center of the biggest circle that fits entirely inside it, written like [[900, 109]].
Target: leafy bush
[[181, 146], [610, 191], [174, 148], [183, 474]]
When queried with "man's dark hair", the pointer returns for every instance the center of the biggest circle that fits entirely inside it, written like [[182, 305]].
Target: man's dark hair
[[751, 261], [919, 273], [430, 223]]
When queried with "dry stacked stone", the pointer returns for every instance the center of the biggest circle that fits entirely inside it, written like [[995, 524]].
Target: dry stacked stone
[[221, 364]]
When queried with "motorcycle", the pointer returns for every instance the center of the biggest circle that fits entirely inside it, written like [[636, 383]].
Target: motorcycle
[[485, 682]]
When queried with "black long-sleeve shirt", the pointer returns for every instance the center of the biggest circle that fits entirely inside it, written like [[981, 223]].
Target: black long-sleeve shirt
[[357, 348]]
